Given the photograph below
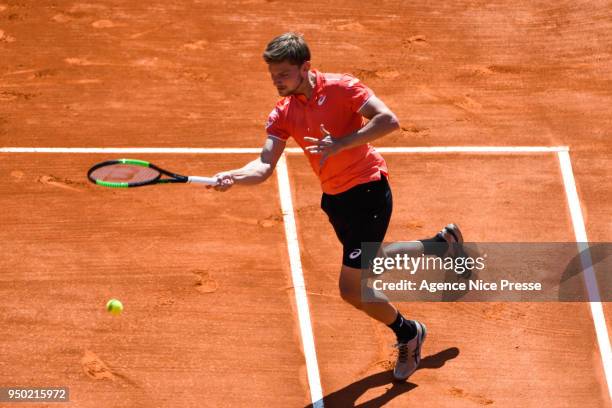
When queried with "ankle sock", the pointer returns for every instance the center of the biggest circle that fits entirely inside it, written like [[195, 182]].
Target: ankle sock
[[404, 329]]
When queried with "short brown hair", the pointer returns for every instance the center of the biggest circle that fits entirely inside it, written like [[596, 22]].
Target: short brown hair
[[289, 47]]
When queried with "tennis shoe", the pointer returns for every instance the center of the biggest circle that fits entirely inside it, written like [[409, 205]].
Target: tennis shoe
[[454, 238], [409, 354]]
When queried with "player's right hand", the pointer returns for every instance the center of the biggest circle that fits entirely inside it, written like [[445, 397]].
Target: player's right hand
[[225, 180]]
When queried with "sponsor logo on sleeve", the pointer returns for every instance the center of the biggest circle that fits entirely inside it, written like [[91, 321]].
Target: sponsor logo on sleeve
[[272, 117]]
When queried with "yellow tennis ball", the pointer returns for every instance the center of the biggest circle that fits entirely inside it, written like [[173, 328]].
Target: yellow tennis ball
[[114, 307]]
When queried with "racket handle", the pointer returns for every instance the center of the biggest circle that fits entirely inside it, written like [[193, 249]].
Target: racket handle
[[211, 181]]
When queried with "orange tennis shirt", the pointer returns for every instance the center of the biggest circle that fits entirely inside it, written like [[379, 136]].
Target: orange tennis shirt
[[335, 103]]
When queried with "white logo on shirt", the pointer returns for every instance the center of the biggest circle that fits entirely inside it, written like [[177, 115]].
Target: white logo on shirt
[[321, 100], [272, 117], [355, 253]]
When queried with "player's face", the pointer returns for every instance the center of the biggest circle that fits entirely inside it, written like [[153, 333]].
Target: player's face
[[288, 78]]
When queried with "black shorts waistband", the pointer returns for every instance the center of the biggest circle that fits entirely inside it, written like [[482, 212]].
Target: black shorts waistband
[[359, 189]]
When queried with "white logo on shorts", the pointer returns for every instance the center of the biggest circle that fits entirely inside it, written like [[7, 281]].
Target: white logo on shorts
[[355, 253]]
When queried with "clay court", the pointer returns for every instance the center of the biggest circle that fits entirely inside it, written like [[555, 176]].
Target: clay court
[[231, 299]]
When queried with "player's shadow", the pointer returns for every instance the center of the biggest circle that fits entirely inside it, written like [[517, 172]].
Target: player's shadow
[[599, 255], [348, 396]]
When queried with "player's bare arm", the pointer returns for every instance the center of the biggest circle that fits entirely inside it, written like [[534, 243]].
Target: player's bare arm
[[382, 121], [256, 171]]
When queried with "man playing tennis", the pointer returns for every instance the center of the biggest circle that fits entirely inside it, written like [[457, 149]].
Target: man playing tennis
[[324, 113]]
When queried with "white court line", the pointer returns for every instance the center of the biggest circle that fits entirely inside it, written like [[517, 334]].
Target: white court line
[[597, 312], [299, 288], [156, 150], [255, 150], [474, 149]]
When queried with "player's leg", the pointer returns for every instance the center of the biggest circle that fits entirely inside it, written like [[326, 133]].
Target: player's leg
[[350, 291], [447, 242], [410, 334]]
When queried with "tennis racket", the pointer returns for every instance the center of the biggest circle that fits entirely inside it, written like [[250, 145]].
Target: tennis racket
[[127, 173]]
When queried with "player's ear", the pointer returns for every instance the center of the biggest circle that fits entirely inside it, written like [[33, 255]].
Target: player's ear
[[305, 67]]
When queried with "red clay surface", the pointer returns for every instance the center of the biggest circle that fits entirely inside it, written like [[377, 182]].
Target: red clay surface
[[209, 319], [204, 281]]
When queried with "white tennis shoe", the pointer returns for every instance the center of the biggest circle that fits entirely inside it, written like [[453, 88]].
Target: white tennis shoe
[[452, 235], [409, 354], [454, 238]]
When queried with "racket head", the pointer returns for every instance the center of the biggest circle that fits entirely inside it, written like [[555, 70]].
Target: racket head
[[124, 173]]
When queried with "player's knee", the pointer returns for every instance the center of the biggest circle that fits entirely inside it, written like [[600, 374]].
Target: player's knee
[[350, 295], [351, 299]]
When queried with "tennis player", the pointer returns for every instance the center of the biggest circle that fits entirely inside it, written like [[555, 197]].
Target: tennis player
[[324, 113]]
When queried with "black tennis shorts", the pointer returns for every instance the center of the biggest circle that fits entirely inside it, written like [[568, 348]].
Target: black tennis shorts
[[358, 215]]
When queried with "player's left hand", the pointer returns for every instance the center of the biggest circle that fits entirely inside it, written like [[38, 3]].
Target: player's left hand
[[326, 146]]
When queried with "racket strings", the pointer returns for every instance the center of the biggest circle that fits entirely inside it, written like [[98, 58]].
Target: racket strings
[[125, 173]]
